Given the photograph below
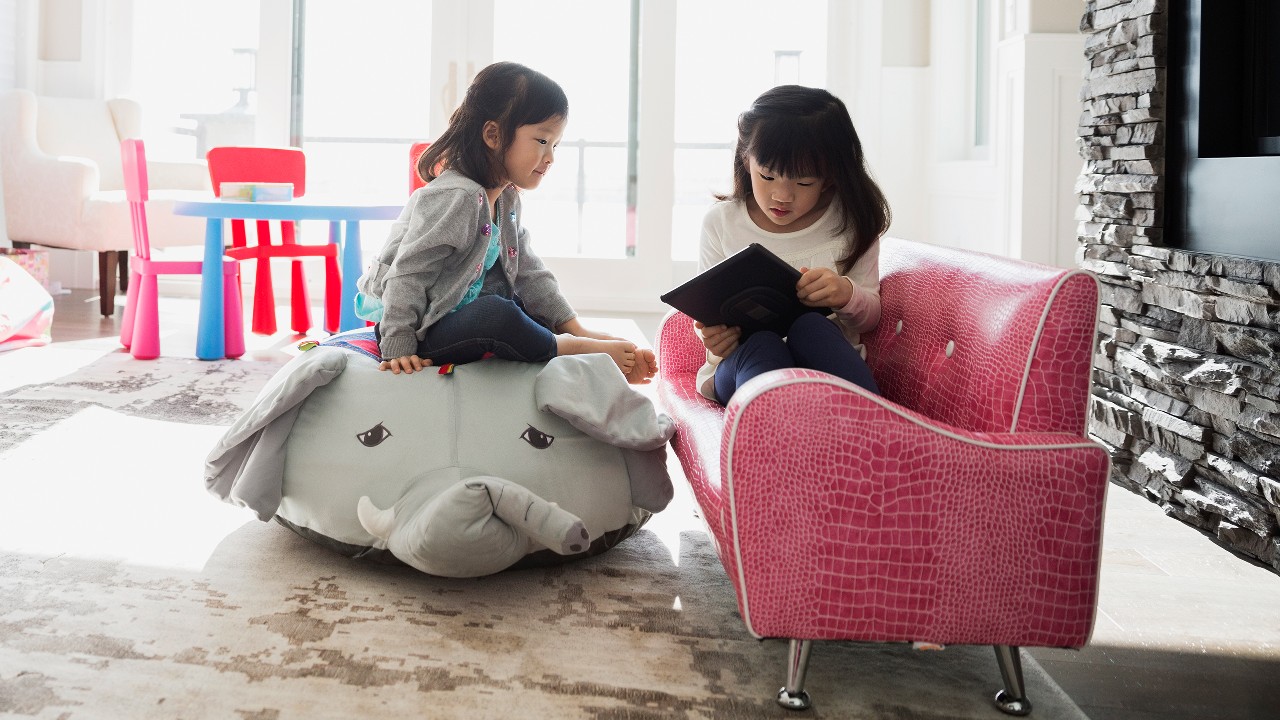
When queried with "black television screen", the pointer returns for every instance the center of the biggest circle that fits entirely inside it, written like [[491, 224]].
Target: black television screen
[[1222, 188]]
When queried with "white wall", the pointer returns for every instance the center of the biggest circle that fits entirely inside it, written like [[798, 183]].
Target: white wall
[[71, 55], [915, 109], [14, 41], [1039, 62], [1054, 16], [881, 70], [962, 180], [8, 77], [68, 48], [1039, 106], [8, 44]]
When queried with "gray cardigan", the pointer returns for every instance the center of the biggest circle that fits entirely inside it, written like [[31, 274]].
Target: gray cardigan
[[436, 251]]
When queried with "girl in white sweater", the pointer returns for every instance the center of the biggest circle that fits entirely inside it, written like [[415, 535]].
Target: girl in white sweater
[[800, 188]]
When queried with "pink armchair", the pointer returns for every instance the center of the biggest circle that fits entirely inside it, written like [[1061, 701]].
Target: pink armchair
[[964, 506]]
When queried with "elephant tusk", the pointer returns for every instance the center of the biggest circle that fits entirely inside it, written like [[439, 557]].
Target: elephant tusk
[[378, 523]]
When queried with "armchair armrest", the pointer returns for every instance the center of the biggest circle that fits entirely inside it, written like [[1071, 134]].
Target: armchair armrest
[[175, 175], [48, 200], [679, 349], [889, 526]]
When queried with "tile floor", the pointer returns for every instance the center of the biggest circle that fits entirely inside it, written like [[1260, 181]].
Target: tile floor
[[1185, 629]]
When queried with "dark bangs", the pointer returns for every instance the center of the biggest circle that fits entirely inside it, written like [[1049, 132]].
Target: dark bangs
[[800, 132], [789, 146], [539, 99]]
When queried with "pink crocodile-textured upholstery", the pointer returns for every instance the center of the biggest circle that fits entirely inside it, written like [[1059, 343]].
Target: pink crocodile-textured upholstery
[[964, 506]]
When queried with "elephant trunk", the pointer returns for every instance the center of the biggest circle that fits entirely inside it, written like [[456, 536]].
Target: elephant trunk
[[479, 526], [546, 523]]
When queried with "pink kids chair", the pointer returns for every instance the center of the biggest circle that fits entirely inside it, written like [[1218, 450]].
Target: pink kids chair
[[140, 326], [280, 165], [962, 506]]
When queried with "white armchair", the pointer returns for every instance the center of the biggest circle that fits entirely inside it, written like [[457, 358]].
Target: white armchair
[[64, 187]]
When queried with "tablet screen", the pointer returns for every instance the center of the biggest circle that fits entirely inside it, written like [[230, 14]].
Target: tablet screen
[[752, 289]]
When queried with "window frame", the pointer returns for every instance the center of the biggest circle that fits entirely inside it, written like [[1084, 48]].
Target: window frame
[[461, 43]]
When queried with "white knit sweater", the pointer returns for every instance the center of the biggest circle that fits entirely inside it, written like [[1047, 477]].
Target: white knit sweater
[[727, 228]]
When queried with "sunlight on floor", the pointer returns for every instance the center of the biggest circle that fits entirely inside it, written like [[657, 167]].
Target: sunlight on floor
[[33, 365], [105, 485], [668, 531], [673, 525]]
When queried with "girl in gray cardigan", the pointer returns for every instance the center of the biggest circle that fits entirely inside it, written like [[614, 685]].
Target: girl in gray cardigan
[[457, 280]]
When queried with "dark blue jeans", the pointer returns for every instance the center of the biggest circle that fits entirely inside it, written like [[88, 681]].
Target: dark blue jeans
[[490, 324], [812, 342]]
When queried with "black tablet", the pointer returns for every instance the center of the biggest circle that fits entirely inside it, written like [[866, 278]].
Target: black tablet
[[753, 289]]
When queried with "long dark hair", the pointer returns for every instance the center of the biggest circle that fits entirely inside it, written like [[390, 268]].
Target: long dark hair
[[807, 132], [507, 93]]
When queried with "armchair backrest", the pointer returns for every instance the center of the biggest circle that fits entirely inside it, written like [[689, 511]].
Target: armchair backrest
[[985, 343], [60, 160], [91, 129], [1020, 336]]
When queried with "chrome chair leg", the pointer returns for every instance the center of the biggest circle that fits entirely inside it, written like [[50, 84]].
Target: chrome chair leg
[[793, 696], [1012, 700]]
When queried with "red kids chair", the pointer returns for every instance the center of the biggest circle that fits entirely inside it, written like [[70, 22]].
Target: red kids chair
[[140, 326], [280, 165], [963, 505], [415, 152]]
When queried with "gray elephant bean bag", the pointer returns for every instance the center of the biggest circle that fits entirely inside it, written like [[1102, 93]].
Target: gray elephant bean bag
[[459, 474]]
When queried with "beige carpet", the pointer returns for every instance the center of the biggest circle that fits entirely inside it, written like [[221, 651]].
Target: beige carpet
[[127, 592]]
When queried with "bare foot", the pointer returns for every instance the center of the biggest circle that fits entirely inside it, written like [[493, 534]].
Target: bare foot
[[645, 368], [623, 352]]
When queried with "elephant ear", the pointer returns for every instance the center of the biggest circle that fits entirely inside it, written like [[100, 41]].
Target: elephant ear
[[246, 467], [590, 392]]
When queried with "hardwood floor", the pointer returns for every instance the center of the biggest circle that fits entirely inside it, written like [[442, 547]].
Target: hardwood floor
[[1185, 629], [76, 317]]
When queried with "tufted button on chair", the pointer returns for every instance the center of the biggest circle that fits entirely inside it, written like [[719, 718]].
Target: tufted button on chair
[[64, 186], [963, 506]]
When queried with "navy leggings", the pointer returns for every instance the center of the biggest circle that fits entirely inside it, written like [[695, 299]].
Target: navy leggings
[[490, 324], [812, 342]]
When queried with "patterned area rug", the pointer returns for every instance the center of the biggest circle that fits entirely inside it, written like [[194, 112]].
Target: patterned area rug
[[128, 592], [173, 389]]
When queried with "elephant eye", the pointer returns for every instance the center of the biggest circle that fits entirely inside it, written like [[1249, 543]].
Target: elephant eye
[[537, 438], [374, 435]]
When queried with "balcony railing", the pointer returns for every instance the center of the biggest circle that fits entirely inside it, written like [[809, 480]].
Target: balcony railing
[[620, 189]]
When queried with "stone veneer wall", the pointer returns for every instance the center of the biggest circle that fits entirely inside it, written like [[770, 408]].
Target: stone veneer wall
[[1186, 379]]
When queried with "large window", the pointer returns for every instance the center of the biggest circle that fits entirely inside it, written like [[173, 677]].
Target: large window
[[196, 88], [364, 98], [580, 210], [725, 60], [654, 87]]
